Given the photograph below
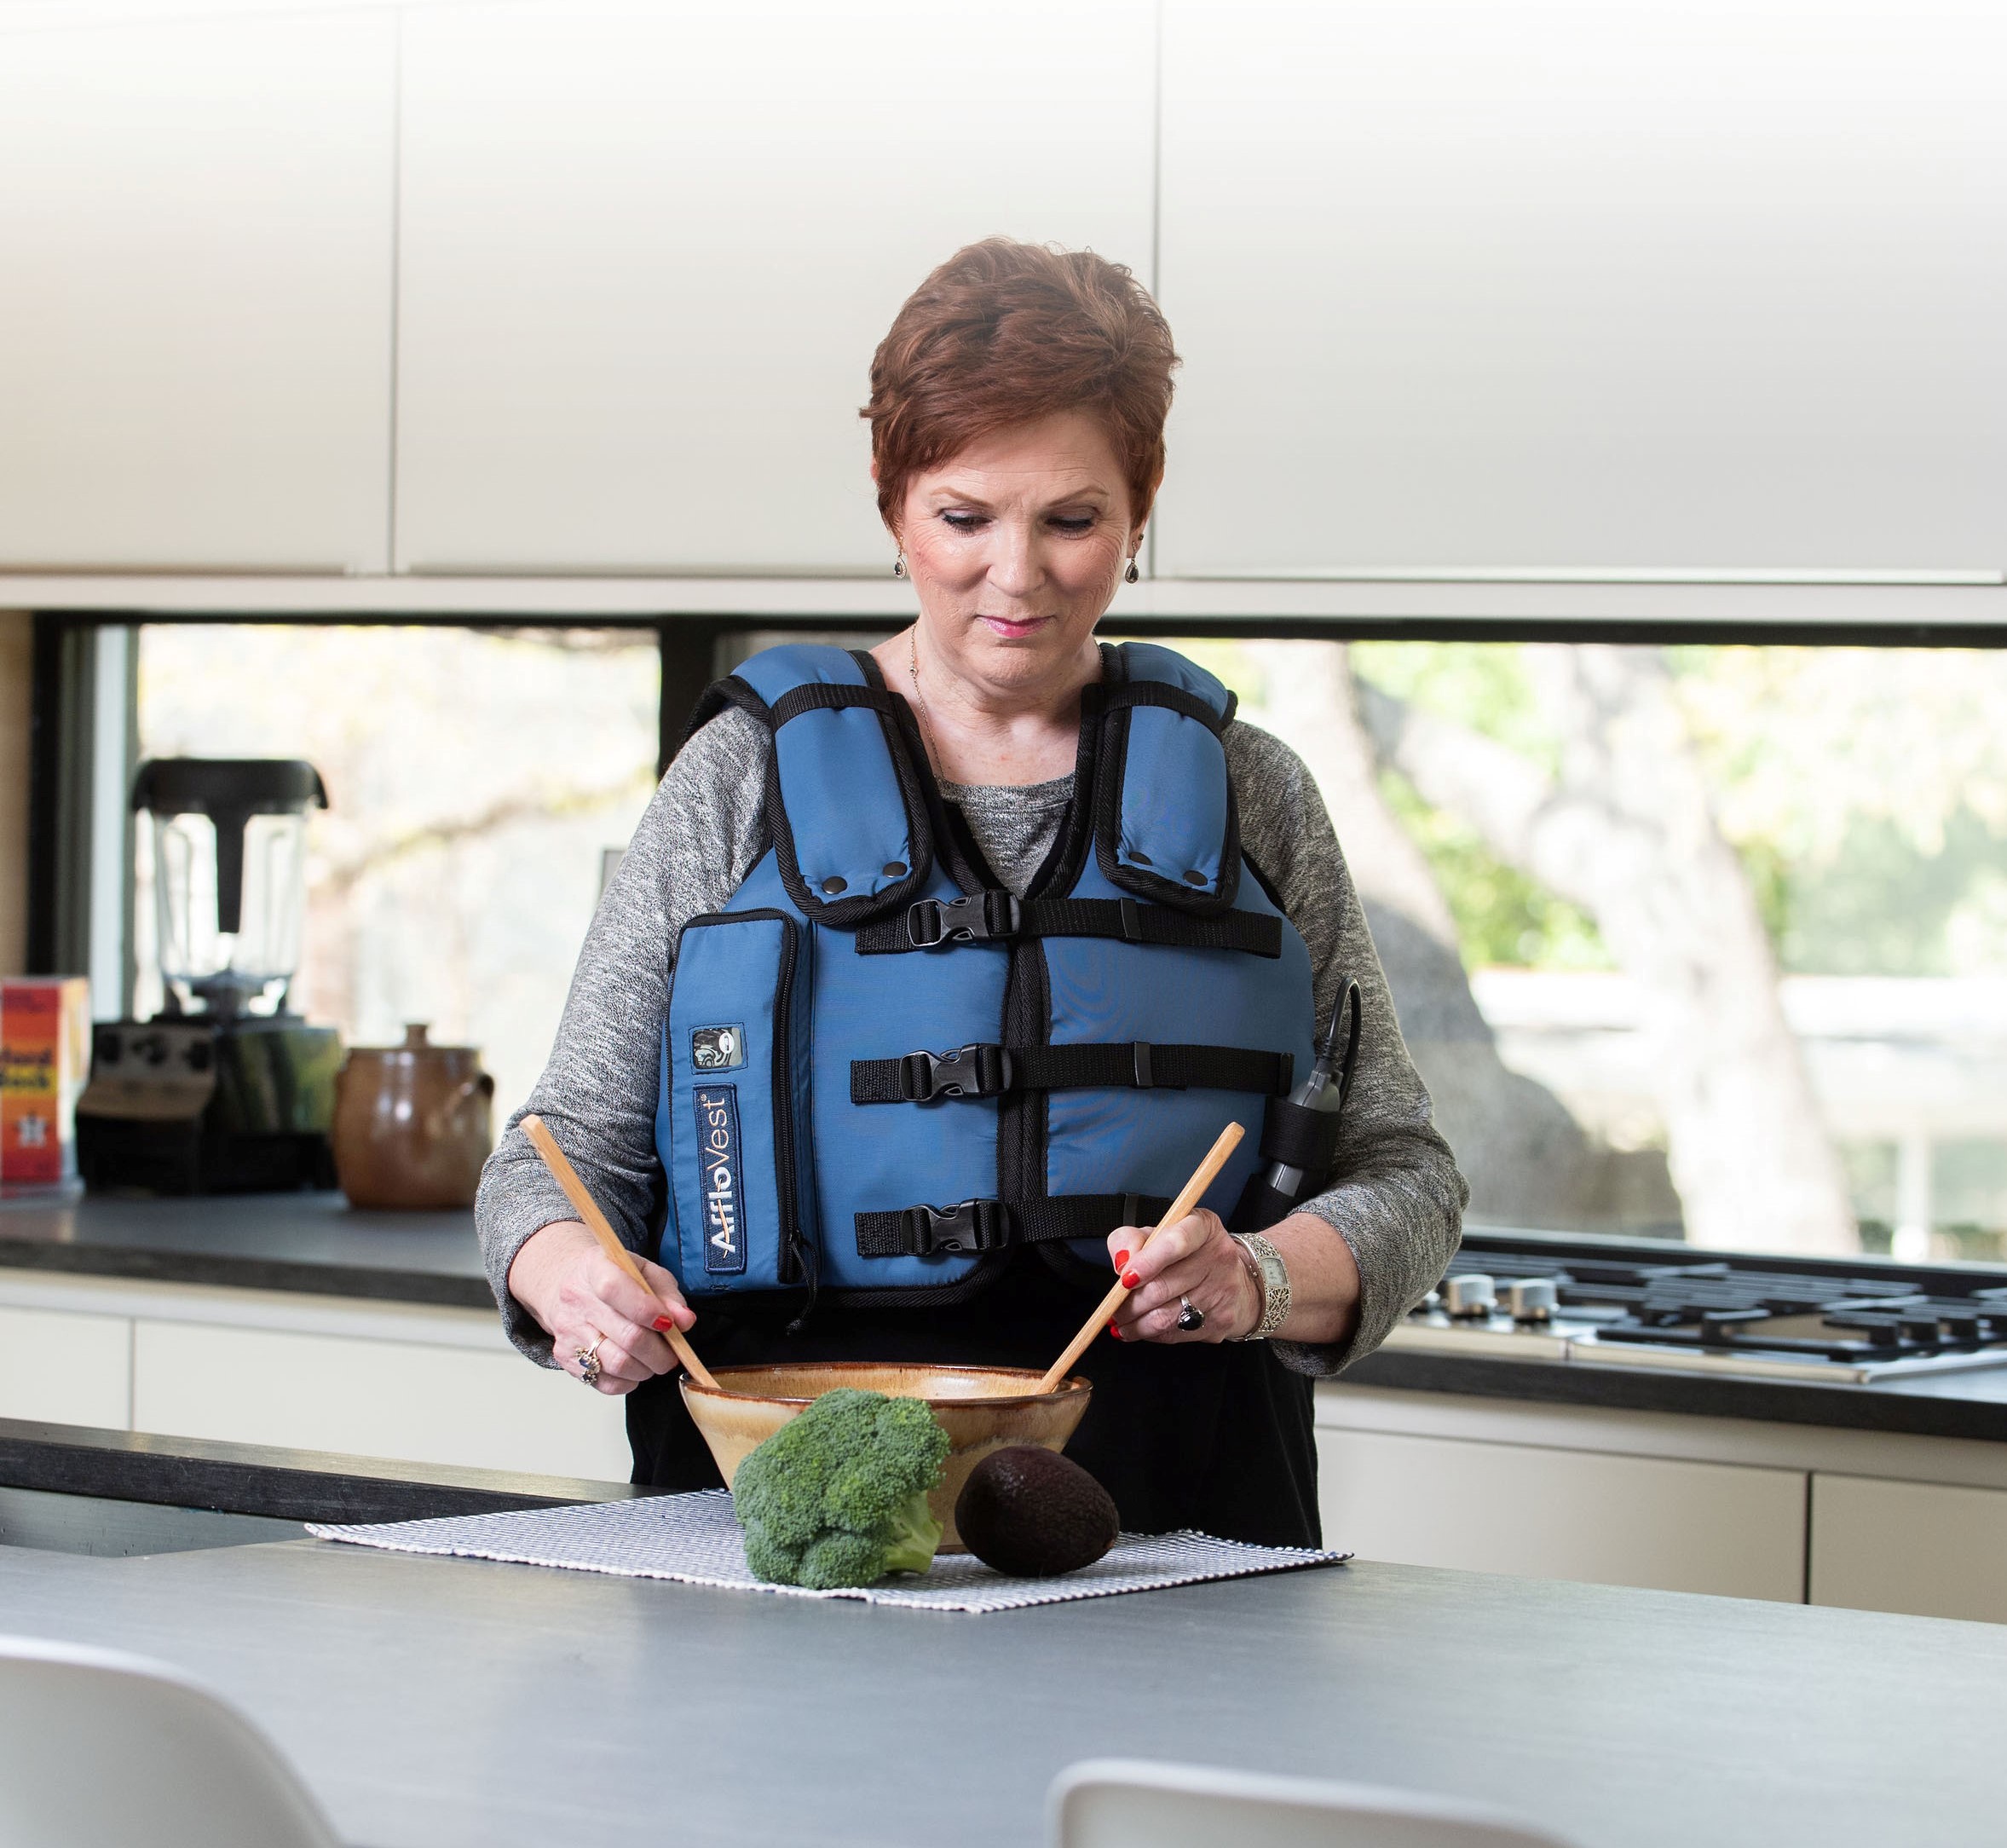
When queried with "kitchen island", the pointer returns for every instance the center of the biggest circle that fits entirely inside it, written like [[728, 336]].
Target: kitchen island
[[375, 1333], [437, 1701]]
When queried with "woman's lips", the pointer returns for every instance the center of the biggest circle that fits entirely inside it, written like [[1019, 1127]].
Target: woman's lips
[[1011, 628]]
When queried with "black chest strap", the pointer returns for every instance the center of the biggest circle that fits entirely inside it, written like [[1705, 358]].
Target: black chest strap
[[980, 917], [978, 1226], [988, 1071]]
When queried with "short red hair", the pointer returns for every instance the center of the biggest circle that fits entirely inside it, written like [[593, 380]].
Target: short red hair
[[1004, 333]]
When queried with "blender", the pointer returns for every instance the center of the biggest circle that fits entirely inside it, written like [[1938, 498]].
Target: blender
[[226, 1090]]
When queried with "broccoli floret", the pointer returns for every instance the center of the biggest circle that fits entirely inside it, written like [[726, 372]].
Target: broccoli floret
[[838, 1495]]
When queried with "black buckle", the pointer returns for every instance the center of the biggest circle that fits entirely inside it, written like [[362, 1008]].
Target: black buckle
[[974, 918], [967, 1072], [973, 1225]]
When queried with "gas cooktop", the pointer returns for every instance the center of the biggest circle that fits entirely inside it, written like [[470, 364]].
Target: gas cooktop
[[1788, 1319]]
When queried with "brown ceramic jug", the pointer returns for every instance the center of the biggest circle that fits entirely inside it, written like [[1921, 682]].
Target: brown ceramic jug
[[413, 1123]]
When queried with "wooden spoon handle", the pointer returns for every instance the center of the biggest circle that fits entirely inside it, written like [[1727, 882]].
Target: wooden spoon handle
[[1201, 1180], [545, 1144]]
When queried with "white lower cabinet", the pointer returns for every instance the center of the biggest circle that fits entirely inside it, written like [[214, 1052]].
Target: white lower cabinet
[[1926, 1549], [372, 1398], [62, 1368], [1486, 1507], [1875, 1520], [352, 1375]]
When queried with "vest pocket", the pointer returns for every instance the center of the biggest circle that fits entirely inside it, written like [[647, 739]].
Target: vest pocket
[[735, 1106]]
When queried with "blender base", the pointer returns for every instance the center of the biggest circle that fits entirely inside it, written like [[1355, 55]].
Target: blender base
[[186, 1105]]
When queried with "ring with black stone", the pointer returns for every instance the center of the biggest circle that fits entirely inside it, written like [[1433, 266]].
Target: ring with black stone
[[588, 1360], [1190, 1317]]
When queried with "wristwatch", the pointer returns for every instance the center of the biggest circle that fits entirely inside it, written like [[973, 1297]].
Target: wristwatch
[[1271, 1276]]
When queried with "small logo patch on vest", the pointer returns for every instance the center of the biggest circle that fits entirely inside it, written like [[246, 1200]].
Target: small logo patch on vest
[[717, 1049], [717, 1165]]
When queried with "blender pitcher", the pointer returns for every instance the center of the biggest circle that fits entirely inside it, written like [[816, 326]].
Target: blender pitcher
[[229, 840]]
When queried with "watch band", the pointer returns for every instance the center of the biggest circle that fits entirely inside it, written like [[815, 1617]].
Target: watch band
[[1272, 1276]]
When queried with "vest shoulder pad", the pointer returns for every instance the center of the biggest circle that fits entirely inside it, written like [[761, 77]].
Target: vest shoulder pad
[[1165, 825], [845, 809]]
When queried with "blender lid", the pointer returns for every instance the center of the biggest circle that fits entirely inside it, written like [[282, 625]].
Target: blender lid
[[228, 785], [229, 790]]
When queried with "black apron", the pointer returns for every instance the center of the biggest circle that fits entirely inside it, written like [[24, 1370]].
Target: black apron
[[1215, 1436]]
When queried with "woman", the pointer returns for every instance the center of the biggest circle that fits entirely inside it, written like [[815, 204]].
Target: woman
[[932, 867]]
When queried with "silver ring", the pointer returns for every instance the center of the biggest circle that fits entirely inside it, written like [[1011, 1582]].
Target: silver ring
[[1190, 1317], [588, 1360]]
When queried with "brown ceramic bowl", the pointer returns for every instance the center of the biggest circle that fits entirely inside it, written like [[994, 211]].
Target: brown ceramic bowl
[[981, 1409]]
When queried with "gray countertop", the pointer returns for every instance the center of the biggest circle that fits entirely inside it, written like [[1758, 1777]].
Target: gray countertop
[[435, 1700], [312, 1242], [316, 1243], [1971, 1404]]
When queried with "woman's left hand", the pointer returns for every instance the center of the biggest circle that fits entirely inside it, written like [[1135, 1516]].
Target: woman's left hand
[[1193, 1261]]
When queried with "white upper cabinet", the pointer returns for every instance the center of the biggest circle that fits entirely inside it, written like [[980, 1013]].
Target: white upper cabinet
[[1478, 286], [647, 255], [195, 288]]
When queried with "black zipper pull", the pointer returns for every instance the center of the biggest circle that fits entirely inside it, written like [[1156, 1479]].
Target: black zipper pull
[[806, 1259]]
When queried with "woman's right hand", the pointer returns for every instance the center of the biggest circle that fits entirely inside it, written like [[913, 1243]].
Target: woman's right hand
[[580, 1296]]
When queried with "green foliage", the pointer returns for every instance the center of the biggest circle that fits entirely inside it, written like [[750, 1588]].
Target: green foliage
[[838, 1495], [1878, 905], [1865, 791], [1482, 684], [1504, 918]]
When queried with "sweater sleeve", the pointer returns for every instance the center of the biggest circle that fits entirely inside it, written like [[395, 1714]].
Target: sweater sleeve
[[1398, 1199], [703, 832]]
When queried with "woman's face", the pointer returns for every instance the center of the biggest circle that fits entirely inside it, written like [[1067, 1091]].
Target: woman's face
[[1016, 545]]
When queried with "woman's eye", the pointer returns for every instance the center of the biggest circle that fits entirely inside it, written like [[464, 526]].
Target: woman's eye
[[1073, 522], [963, 522]]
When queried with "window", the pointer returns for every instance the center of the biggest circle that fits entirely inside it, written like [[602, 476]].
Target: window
[[1703, 942], [477, 779]]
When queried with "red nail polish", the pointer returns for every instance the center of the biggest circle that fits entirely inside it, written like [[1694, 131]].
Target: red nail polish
[[1121, 1259], [1130, 1279], [664, 1324], [1114, 1330]]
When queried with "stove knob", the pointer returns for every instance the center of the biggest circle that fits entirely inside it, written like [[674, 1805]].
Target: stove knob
[[1470, 1298], [1531, 1299]]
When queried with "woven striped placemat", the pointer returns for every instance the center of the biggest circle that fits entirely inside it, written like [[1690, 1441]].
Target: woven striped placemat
[[695, 1539]]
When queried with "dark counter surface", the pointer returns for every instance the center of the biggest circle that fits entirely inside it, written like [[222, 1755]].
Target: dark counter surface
[[316, 1244], [448, 1701], [313, 1243], [263, 1481], [1931, 1405]]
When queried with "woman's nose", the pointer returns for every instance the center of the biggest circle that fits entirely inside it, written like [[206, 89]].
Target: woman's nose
[[1016, 565]]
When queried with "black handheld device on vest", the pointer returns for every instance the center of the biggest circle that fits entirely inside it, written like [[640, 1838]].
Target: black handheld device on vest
[[1300, 1134]]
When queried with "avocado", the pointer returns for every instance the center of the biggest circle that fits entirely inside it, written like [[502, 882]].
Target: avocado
[[1031, 1514]]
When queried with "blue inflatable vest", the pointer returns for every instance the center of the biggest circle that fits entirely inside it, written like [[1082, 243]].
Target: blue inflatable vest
[[881, 1070]]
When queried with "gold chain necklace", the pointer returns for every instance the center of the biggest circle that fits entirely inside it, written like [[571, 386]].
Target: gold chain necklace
[[920, 698]]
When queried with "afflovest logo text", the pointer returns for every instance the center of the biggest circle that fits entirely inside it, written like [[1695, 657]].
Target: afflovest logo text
[[718, 1163]]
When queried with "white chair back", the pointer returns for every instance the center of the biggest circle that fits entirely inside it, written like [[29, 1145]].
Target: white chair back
[[1126, 1803], [103, 1750]]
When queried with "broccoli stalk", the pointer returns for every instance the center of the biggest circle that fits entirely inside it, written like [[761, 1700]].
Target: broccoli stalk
[[838, 1495], [910, 1541]]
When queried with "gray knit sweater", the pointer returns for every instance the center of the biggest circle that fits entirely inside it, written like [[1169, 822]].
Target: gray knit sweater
[[1398, 1205]]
